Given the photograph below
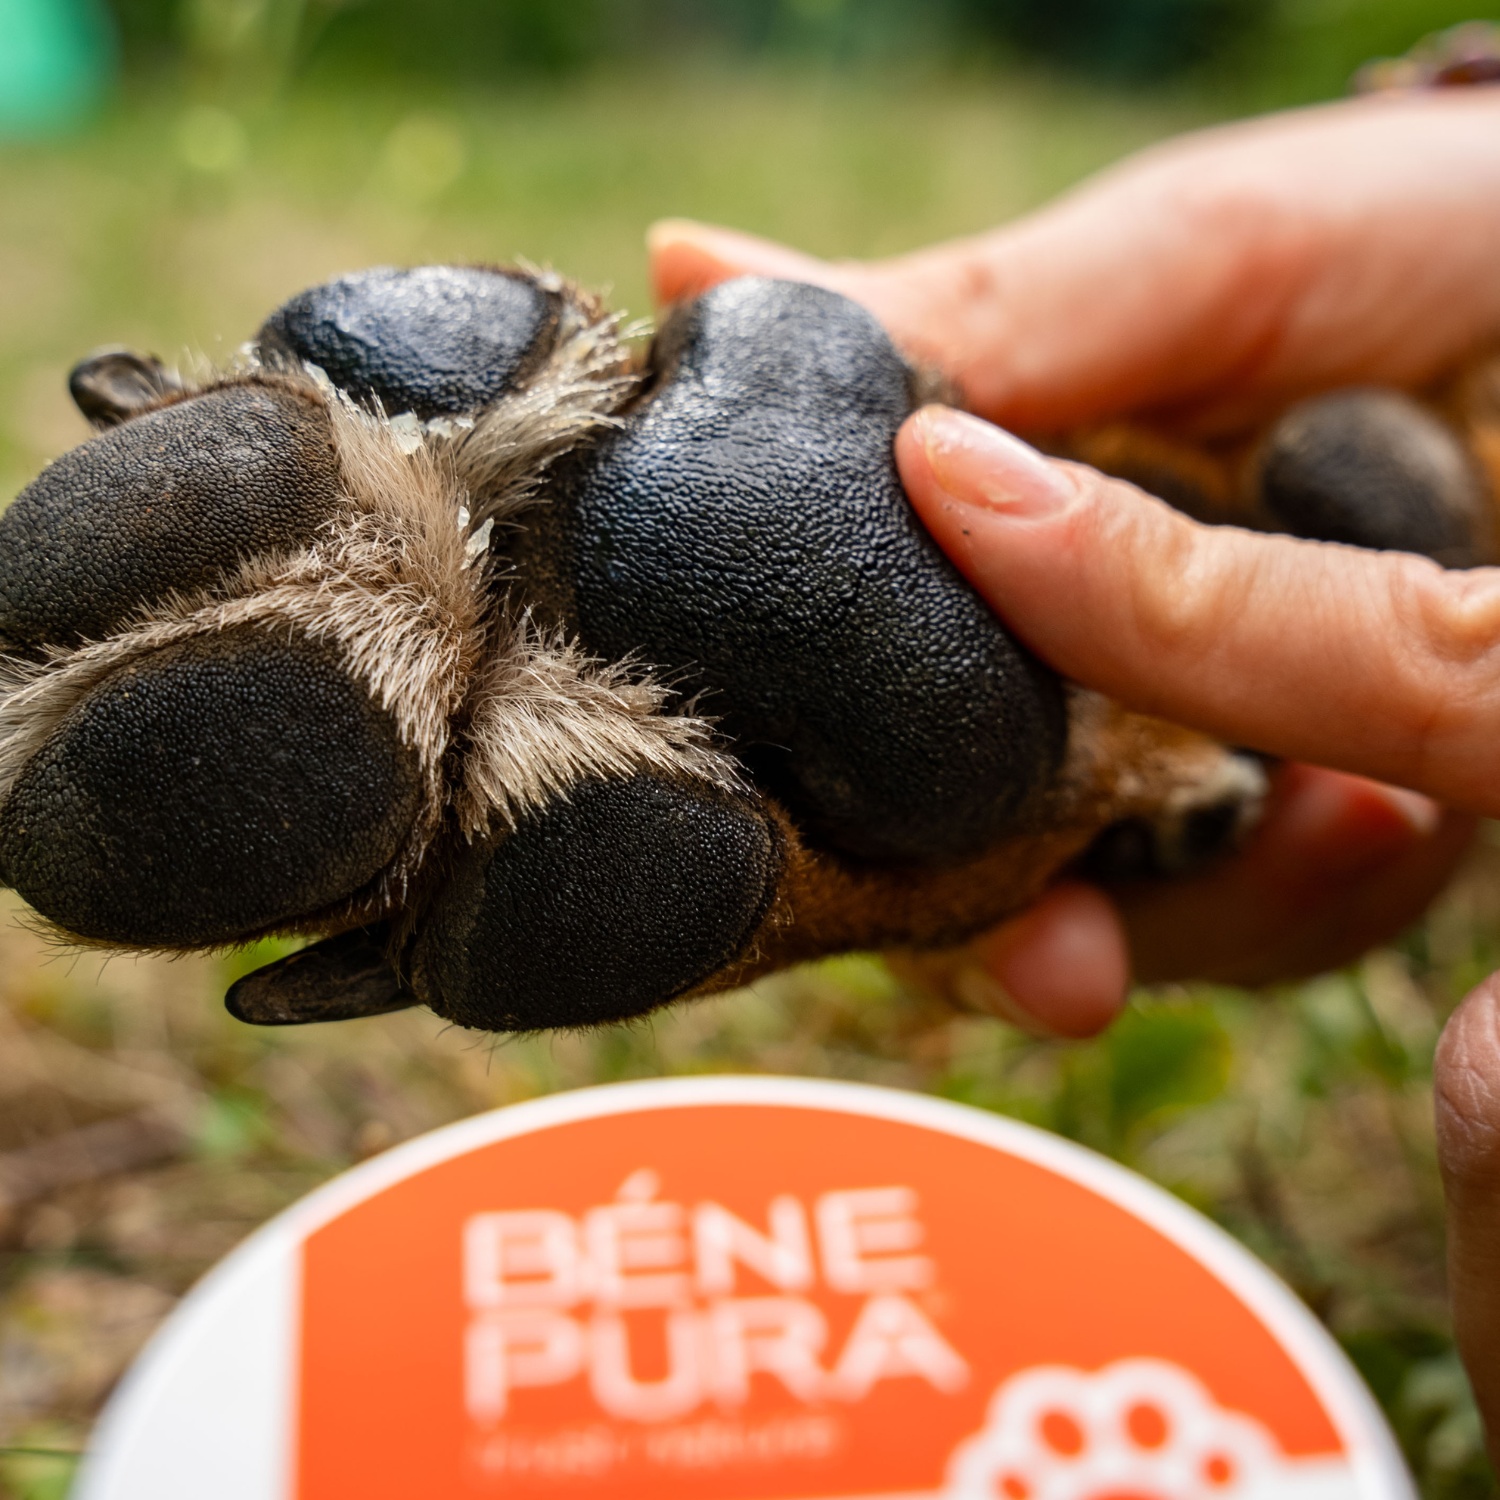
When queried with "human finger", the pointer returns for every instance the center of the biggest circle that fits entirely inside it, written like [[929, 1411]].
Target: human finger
[[1217, 277], [1338, 864], [1378, 663], [1060, 969], [1467, 1097], [687, 258]]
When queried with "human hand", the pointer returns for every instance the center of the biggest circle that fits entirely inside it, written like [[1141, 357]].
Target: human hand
[[1212, 279], [1379, 664], [1207, 284]]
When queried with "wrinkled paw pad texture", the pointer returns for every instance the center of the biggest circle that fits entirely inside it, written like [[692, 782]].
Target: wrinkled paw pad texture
[[166, 502], [593, 909], [748, 522], [544, 682], [214, 788]]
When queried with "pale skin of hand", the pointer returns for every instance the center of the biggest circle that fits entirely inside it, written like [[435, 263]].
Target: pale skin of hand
[[1207, 283]]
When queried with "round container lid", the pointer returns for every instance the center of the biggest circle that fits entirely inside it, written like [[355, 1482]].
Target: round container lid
[[742, 1289]]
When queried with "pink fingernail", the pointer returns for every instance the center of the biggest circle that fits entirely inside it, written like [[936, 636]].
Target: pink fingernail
[[981, 991], [979, 464], [1421, 813]]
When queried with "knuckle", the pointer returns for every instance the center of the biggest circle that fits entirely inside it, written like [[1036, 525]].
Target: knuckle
[[1224, 200], [1466, 1090], [1445, 627], [1180, 591]]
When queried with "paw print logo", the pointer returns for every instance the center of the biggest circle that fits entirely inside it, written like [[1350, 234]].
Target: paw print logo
[[1140, 1429]]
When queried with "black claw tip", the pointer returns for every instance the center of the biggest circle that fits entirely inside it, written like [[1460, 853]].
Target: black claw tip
[[335, 980], [113, 385]]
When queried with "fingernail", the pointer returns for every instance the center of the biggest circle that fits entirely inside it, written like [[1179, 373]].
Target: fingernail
[[1421, 813], [666, 231], [976, 463], [980, 991], [1330, 826]]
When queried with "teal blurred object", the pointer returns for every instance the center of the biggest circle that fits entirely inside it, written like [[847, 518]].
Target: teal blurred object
[[57, 58]]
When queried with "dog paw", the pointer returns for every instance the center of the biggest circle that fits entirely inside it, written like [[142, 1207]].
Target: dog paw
[[395, 632]]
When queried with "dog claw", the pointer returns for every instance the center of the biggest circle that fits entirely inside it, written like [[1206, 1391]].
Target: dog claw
[[337, 979], [114, 384]]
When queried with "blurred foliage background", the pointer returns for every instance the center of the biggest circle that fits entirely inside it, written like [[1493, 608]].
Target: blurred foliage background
[[1280, 47], [193, 162]]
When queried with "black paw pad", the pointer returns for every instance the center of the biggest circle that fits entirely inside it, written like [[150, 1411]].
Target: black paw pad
[[1375, 469], [601, 907], [749, 531], [436, 340], [168, 501], [209, 791]]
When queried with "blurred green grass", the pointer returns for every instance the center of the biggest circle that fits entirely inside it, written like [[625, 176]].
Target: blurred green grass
[[1301, 1120], [172, 225]]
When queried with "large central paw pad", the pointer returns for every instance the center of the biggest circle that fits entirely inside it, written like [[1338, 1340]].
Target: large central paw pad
[[749, 521], [552, 682]]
